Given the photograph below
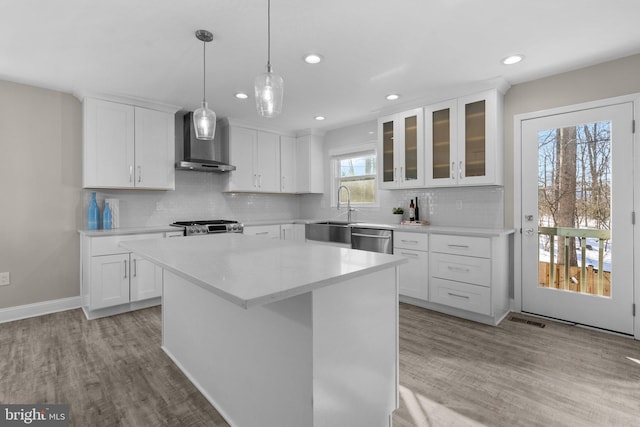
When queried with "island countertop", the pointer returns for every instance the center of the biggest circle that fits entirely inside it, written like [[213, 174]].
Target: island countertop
[[250, 271]]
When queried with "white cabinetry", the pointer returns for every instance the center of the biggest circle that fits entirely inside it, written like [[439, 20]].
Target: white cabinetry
[[127, 146], [292, 232], [414, 276], [470, 274], [114, 280], [309, 164], [401, 150], [288, 164], [463, 141], [256, 156], [270, 231]]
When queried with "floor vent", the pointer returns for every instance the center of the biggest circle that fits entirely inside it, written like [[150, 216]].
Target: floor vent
[[528, 322]]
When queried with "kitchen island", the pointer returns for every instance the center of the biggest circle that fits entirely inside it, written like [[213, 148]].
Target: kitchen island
[[280, 333]]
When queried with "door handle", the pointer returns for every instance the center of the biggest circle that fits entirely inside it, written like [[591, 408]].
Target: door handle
[[370, 235], [130, 173], [139, 173], [453, 170], [135, 267], [528, 231], [125, 268], [460, 170]]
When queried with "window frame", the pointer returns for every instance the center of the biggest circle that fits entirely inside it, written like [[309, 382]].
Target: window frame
[[342, 153]]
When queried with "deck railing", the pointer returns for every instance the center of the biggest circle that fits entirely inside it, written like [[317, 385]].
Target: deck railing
[[582, 234]]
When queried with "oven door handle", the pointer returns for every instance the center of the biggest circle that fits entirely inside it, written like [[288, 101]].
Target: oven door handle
[[373, 236]]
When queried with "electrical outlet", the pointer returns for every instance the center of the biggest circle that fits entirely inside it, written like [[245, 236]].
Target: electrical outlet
[[459, 205], [5, 279]]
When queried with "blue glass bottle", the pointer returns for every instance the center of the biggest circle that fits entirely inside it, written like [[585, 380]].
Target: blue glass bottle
[[94, 213], [107, 217]]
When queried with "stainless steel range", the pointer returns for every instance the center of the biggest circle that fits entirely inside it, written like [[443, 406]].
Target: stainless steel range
[[193, 228]]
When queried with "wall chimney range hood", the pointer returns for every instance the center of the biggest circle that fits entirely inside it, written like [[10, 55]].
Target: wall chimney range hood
[[201, 155]]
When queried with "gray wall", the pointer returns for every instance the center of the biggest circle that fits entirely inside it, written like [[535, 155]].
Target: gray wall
[[40, 196], [606, 80]]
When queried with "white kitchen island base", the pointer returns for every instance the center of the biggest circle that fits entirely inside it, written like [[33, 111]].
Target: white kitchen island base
[[327, 357]]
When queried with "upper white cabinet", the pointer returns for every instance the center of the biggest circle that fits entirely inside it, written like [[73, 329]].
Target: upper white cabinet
[[401, 150], [268, 162], [288, 164], [463, 141], [256, 156], [310, 165], [127, 146]]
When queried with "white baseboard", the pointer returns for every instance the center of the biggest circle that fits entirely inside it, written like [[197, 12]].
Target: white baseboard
[[39, 308]]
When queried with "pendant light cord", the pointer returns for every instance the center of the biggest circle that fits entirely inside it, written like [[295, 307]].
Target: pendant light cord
[[269, 36], [204, 71]]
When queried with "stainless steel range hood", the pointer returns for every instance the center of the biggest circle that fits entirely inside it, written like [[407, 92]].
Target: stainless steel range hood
[[200, 155]]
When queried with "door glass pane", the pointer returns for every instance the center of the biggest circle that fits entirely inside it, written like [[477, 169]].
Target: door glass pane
[[475, 149], [411, 148], [387, 148], [441, 143], [574, 208]]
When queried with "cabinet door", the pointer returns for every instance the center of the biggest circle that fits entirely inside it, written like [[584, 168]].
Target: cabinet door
[[441, 142], [387, 161], [108, 144], [310, 164], [288, 164], [154, 149], [414, 276], [268, 161], [109, 281], [146, 279], [478, 138], [242, 144], [411, 144]]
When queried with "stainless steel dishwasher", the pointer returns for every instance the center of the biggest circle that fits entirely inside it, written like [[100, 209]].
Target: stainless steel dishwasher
[[372, 238]]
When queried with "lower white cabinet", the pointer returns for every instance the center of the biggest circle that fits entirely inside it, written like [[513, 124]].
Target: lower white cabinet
[[114, 280], [414, 276], [464, 276], [270, 231], [292, 232]]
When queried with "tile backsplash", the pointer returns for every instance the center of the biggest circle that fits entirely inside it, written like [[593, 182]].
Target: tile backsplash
[[200, 196], [197, 196]]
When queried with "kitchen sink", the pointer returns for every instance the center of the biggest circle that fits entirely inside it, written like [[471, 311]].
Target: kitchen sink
[[329, 231]]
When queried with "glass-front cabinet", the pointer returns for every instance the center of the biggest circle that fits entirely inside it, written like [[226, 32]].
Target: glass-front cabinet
[[463, 141], [401, 148]]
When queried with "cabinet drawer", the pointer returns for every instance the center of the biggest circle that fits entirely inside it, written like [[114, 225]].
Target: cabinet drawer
[[108, 245], [472, 270], [461, 245], [416, 241], [460, 295]]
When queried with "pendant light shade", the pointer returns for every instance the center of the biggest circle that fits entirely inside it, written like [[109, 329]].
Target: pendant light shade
[[269, 87], [204, 119]]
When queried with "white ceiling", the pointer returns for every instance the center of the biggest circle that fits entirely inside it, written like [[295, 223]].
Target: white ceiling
[[421, 49]]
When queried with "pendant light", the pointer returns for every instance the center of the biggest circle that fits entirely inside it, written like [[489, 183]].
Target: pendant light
[[204, 119], [269, 86]]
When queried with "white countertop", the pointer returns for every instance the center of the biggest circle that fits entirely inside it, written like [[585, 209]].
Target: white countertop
[[250, 271]]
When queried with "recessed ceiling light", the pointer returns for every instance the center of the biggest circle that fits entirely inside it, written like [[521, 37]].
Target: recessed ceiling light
[[513, 59], [319, 118], [392, 97], [241, 95], [313, 58]]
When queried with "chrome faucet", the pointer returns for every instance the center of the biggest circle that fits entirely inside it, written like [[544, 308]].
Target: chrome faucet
[[349, 208]]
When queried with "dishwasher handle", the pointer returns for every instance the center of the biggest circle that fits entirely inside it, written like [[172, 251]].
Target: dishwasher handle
[[373, 236]]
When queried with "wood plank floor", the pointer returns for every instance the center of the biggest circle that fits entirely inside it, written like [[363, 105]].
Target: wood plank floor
[[452, 373]]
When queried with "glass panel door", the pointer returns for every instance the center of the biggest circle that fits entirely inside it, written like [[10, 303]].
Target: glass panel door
[[475, 139], [441, 123], [411, 148], [577, 202], [387, 152]]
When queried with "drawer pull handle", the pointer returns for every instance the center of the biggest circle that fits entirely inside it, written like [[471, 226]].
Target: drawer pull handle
[[261, 233], [409, 254], [458, 295], [459, 269], [459, 246], [409, 241]]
